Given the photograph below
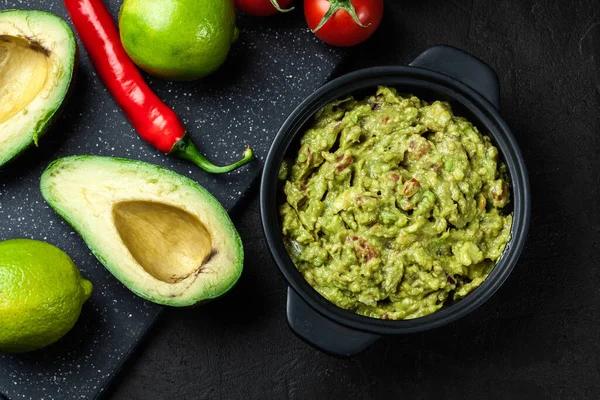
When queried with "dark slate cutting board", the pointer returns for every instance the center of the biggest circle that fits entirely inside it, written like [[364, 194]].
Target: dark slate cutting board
[[273, 66]]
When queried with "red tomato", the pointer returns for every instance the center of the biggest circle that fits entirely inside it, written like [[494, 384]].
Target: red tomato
[[340, 28], [263, 8]]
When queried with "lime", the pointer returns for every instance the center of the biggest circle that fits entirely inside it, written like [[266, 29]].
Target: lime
[[41, 294], [178, 39]]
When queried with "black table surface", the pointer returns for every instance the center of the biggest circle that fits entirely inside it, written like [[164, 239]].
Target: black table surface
[[536, 338]]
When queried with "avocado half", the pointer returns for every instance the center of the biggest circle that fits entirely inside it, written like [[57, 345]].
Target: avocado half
[[37, 62], [161, 234]]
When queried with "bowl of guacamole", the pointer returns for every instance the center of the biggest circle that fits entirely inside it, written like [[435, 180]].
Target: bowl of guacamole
[[394, 200], [394, 206]]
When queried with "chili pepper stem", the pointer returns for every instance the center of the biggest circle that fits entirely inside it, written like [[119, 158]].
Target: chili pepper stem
[[187, 150]]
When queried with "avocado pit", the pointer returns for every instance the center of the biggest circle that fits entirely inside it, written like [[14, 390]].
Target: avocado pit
[[24, 66], [167, 242]]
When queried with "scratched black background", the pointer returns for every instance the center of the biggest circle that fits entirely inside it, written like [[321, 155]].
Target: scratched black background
[[270, 69], [538, 337]]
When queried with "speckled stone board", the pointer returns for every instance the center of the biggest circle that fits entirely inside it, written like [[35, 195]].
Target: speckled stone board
[[273, 66]]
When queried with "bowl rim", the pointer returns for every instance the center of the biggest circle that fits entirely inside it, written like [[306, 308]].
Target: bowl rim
[[395, 76]]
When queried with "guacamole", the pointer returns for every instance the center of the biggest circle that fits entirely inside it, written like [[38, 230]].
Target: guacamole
[[394, 206]]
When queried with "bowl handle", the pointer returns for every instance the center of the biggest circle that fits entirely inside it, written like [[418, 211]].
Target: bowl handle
[[322, 333], [463, 67]]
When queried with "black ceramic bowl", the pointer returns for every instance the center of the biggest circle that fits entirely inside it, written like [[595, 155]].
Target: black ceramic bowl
[[440, 73]]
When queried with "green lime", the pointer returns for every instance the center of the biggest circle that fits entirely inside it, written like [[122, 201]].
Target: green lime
[[178, 39], [41, 294]]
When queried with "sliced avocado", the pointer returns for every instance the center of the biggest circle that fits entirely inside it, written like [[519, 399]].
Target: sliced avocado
[[37, 62], [161, 234]]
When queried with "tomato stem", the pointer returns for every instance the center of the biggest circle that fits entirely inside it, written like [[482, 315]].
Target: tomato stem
[[335, 6], [278, 7]]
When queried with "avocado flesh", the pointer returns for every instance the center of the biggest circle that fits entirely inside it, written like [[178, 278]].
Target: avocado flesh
[[37, 61], [162, 235]]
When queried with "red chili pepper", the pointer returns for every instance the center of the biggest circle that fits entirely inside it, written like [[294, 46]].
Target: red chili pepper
[[152, 119]]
